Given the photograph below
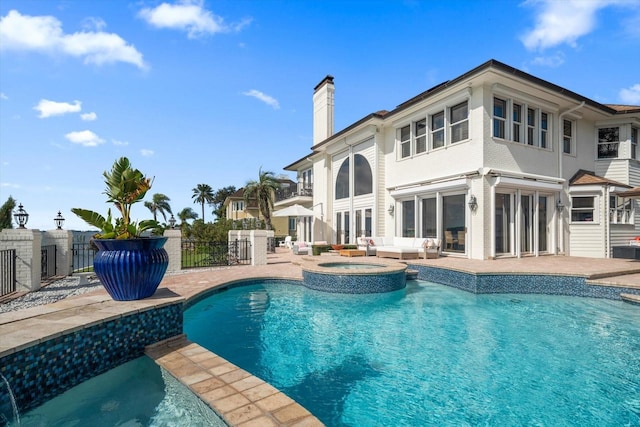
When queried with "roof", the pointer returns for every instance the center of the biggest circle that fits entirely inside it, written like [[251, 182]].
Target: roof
[[584, 177], [634, 192], [622, 109]]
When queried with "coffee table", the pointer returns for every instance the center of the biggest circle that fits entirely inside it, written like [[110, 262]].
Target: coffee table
[[352, 252]]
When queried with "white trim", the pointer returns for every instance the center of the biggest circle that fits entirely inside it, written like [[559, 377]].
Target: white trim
[[462, 183], [521, 96], [502, 181]]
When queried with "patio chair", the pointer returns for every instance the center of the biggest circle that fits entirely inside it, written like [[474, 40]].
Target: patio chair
[[449, 241], [286, 243]]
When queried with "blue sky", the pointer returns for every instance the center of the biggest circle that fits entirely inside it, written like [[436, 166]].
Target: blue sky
[[210, 91]]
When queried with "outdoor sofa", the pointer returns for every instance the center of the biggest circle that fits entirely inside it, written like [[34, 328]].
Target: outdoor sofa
[[400, 247]]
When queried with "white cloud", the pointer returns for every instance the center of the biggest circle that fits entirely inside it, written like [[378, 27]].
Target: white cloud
[[3, 96], [9, 185], [44, 34], [549, 61], [93, 23], [85, 138], [89, 117], [263, 97], [117, 142], [564, 21], [146, 153], [630, 95], [189, 16], [52, 108]]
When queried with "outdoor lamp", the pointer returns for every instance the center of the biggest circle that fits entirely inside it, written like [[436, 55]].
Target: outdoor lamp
[[21, 216], [59, 220], [559, 205], [473, 203], [391, 209], [172, 222]]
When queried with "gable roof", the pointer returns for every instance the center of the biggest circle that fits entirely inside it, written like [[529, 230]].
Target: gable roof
[[584, 177]]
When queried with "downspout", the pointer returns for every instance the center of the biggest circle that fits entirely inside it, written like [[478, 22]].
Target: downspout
[[560, 244]]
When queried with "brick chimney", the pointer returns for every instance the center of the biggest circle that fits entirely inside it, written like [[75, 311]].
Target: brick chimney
[[323, 105]]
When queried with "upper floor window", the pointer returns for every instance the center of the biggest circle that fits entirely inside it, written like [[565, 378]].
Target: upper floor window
[[620, 210], [362, 176], [523, 123], [420, 131], [342, 180], [405, 141], [459, 122], [437, 130], [634, 143], [567, 137], [608, 141], [237, 206], [582, 209]]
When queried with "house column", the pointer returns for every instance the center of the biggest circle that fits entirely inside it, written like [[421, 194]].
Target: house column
[[63, 240]]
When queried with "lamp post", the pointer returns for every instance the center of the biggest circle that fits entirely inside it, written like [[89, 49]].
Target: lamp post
[[172, 222], [21, 216], [59, 220]]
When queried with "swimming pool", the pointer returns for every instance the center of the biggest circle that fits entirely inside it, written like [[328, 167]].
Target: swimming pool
[[135, 394], [432, 355]]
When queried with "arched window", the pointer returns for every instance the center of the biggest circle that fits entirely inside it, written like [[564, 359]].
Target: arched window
[[363, 180], [342, 181]]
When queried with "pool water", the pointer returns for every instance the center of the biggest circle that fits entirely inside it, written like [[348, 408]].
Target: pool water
[[135, 394], [432, 355], [349, 266]]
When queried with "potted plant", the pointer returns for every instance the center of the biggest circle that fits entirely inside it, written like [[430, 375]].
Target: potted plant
[[129, 266]]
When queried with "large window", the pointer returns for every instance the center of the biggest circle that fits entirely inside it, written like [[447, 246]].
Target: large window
[[608, 141], [499, 118], [582, 209], [429, 218], [408, 219], [362, 179], [567, 137], [459, 122], [437, 130], [503, 222], [342, 181]]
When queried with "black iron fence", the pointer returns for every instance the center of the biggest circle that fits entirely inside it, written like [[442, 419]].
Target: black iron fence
[[48, 263], [83, 254], [210, 254], [271, 245], [7, 271]]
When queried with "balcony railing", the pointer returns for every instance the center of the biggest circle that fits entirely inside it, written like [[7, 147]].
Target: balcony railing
[[288, 194]]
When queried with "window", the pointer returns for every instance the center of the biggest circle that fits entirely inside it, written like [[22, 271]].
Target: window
[[582, 209], [363, 179], [544, 127], [517, 122], [429, 218], [437, 130], [531, 126], [408, 219], [292, 223], [634, 143], [499, 117], [620, 210], [567, 136], [342, 181], [459, 123], [405, 141], [421, 135], [237, 206], [608, 140]]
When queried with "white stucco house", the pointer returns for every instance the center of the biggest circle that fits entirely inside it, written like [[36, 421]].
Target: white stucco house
[[495, 163]]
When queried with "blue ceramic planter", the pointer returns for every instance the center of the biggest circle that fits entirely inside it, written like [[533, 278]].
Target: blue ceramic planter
[[131, 269]]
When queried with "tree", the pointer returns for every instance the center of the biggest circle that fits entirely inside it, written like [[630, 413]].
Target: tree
[[186, 214], [159, 204], [203, 193], [263, 191], [219, 197], [6, 210]]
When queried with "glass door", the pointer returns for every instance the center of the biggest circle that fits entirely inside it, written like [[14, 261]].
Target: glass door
[[453, 223], [543, 224], [526, 223], [503, 221]]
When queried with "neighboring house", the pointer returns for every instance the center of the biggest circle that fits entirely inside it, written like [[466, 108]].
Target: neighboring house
[[495, 162], [237, 209]]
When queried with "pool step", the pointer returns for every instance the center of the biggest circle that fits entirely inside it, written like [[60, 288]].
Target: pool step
[[631, 298], [412, 274]]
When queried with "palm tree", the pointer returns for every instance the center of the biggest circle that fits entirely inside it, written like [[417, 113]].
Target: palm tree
[[263, 191], [186, 214], [159, 204], [203, 193]]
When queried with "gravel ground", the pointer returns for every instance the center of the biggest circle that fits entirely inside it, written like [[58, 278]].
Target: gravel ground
[[52, 292]]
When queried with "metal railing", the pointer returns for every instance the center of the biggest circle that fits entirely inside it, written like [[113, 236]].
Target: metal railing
[[285, 194], [83, 254], [48, 261], [7, 271], [210, 254]]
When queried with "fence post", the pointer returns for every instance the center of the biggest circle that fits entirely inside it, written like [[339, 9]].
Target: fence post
[[174, 249], [27, 244], [63, 239]]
